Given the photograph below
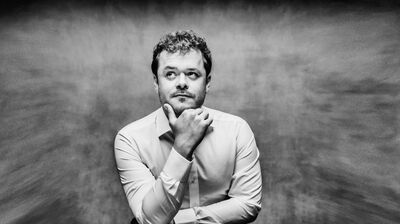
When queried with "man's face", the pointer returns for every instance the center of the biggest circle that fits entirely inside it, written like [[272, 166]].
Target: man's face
[[182, 80]]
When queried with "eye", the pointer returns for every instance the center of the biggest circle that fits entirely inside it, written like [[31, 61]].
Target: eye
[[170, 75], [193, 75]]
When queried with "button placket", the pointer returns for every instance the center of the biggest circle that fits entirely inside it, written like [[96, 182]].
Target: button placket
[[194, 186]]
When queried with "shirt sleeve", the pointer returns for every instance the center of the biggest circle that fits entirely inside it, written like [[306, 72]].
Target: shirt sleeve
[[151, 200], [244, 202]]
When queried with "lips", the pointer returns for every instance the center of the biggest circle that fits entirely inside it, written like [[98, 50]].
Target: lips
[[182, 95]]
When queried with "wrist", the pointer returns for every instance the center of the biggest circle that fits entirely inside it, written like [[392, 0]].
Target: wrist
[[184, 151]]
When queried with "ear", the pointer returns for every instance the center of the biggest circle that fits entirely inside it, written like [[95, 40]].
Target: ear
[[208, 82], [155, 83]]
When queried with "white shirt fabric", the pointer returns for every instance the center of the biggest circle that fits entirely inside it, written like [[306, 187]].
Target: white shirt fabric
[[222, 184]]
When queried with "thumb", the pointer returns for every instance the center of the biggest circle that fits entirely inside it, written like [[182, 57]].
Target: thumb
[[170, 113]]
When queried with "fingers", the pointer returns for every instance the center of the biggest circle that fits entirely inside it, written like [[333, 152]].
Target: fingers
[[205, 118], [198, 111], [198, 114], [203, 115], [209, 121], [192, 112], [170, 113]]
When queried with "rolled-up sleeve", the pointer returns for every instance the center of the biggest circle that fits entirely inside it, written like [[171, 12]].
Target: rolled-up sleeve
[[151, 200]]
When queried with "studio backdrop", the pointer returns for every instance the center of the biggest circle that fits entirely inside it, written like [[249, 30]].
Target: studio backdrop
[[318, 83]]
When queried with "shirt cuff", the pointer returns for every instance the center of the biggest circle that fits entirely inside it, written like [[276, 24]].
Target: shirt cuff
[[185, 216], [177, 166]]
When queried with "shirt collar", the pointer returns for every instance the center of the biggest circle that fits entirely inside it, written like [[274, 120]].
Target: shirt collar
[[162, 123]]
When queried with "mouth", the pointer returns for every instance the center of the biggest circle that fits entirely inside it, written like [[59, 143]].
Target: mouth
[[182, 95]]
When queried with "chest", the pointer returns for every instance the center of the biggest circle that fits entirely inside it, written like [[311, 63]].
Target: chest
[[214, 158]]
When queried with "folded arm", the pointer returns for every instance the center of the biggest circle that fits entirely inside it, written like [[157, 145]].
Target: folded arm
[[244, 200], [151, 200]]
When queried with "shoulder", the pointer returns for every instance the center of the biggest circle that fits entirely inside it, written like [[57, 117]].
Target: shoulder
[[225, 118], [229, 126], [140, 126]]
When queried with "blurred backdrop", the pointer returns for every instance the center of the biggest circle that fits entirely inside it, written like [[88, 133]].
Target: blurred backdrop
[[318, 82]]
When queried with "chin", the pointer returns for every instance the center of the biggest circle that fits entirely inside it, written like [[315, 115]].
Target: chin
[[180, 107]]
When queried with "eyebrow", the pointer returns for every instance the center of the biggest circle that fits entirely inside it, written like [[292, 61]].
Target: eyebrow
[[175, 68], [192, 69], [170, 67]]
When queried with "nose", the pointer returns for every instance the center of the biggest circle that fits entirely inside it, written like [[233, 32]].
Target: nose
[[182, 82]]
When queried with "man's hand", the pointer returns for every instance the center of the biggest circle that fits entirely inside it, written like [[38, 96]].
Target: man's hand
[[189, 129]]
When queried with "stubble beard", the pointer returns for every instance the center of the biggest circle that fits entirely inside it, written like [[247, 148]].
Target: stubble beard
[[198, 102]]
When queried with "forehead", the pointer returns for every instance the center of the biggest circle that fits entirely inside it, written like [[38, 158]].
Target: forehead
[[192, 59]]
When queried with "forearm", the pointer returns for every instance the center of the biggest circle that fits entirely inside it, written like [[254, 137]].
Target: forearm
[[233, 210], [163, 199], [161, 203], [244, 196], [152, 200], [245, 193]]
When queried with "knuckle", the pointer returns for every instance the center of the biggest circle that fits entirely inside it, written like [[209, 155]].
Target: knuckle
[[187, 113], [195, 114]]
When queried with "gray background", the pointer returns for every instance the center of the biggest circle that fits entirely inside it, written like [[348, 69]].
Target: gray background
[[318, 83]]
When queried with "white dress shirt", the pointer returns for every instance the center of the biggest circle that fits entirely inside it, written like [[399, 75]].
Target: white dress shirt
[[222, 183]]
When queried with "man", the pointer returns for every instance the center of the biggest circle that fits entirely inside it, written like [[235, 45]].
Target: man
[[185, 163]]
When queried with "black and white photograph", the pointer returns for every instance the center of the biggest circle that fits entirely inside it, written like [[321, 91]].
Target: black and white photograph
[[186, 112]]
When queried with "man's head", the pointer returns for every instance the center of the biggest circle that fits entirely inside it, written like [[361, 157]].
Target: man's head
[[181, 67]]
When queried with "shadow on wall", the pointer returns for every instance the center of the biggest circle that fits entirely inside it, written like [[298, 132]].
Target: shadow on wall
[[318, 85]]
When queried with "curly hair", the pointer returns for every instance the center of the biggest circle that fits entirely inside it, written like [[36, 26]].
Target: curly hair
[[182, 41]]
